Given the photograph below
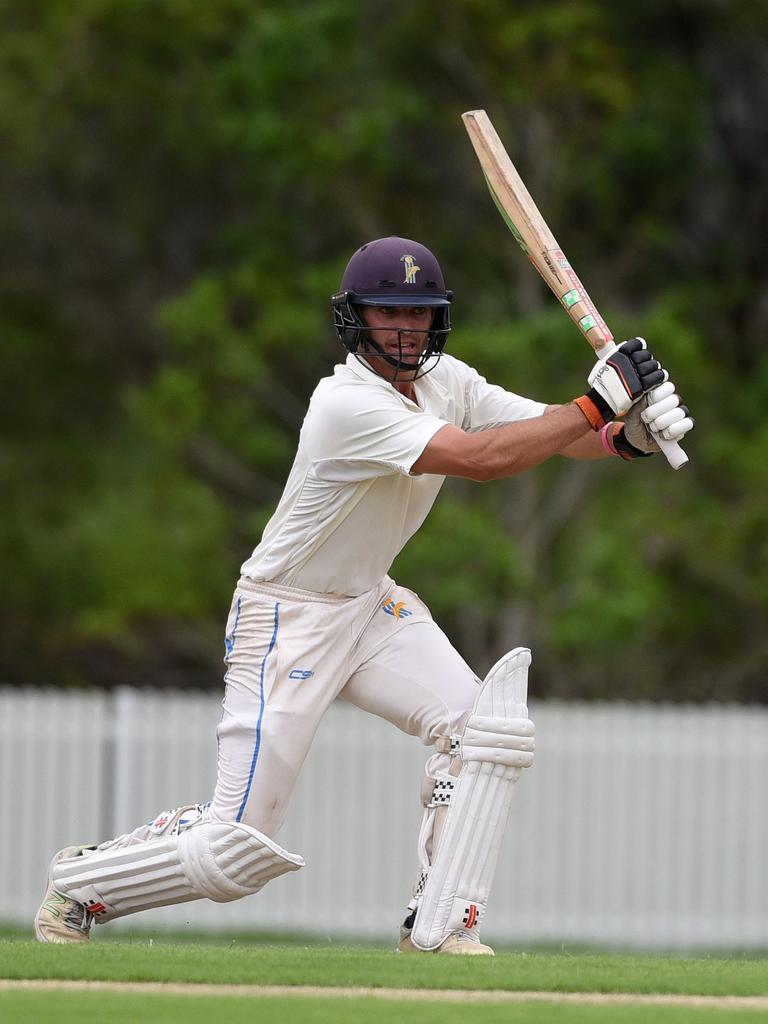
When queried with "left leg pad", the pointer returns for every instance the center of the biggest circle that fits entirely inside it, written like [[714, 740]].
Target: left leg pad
[[220, 861]]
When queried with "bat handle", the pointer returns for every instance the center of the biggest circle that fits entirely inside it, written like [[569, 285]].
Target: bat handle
[[671, 450]]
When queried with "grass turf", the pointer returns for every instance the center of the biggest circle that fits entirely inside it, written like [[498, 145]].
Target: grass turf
[[74, 1008], [348, 966]]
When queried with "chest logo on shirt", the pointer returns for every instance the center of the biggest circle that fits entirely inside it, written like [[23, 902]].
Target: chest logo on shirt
[[410, 269], [397, 609]]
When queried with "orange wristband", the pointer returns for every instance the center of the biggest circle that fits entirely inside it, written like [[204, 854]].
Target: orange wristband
[[591, 412]]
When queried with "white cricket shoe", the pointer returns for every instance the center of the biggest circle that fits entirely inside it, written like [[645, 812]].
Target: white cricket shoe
[[61, 919], [457, 944]]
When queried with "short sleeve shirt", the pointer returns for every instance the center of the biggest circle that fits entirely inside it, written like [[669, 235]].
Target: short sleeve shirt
[[350, 503]]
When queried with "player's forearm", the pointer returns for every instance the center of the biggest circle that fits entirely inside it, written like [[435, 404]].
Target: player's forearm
[[520, 446], [588, 447]]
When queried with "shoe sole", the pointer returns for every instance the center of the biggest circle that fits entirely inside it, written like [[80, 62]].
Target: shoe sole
[[406, 945]]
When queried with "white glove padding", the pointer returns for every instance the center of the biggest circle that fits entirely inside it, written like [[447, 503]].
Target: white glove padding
[[665, 414], [658, 412]]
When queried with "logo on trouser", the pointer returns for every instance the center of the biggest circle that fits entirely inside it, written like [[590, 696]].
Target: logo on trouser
[[471, 916]]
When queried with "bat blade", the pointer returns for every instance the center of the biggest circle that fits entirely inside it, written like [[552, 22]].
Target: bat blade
[[535, 238]]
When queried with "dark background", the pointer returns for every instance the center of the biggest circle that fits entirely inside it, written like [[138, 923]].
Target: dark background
[[181, 184]]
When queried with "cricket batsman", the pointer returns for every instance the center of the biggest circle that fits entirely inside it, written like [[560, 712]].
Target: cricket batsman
[[316, 618]]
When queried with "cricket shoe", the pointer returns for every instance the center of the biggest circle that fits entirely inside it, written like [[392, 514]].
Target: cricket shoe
[[61, 919], [459, 943]]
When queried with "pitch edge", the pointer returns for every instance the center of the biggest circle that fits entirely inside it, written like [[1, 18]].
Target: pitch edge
[[388, 994]]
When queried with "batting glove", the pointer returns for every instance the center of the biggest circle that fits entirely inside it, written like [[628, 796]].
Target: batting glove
[[617, 382], [659, 412]]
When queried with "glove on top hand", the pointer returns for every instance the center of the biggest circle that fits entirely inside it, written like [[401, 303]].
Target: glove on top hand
[[618, 381]]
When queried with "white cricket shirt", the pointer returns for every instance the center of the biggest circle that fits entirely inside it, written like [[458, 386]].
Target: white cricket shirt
[[350, 503]]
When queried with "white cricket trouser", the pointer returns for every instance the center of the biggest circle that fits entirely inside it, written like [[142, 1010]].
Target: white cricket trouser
[[290, 654]]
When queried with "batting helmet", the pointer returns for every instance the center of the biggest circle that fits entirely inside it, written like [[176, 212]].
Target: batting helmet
[[393, 272]]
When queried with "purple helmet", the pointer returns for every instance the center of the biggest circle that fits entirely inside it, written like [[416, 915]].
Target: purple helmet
[[393, 272]]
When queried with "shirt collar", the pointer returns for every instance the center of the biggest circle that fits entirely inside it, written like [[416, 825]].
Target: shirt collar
[[435, 396]]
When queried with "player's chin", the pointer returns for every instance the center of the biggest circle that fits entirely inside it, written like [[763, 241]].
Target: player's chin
[[411, 357]]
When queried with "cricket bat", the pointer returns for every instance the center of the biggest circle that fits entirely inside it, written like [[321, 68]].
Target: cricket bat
[[538, 243]]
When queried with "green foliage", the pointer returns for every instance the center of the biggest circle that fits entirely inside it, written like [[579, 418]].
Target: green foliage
[[182, 184]]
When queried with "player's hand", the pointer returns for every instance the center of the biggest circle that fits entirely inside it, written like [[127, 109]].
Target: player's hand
[[663, 413], [659, 412], [617, 382]]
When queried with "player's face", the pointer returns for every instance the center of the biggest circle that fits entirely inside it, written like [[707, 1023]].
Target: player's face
[[401, 331]]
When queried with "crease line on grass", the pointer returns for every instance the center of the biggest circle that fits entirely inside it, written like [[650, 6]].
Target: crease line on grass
[[390, 994]]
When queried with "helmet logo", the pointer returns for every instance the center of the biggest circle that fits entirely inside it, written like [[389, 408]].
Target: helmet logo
[[410, 269]]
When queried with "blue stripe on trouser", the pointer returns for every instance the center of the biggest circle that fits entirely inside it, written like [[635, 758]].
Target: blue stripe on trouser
[[257, 744], [229, 646], [229, 641]]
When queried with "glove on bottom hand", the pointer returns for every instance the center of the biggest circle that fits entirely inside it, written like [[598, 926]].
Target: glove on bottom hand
[[618, 381], [659, 412]]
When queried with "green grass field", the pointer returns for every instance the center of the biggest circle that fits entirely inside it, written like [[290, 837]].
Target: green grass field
[[484, 983], [38, 1007]]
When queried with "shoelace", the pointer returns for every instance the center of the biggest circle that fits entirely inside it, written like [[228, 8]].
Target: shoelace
[[78, 917]]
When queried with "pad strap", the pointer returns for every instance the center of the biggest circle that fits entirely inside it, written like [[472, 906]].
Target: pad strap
[[448, 745], [442, 790]]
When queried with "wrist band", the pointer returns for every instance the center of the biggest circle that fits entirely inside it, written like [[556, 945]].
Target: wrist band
[[590, 411], [606, 436], [624, 448]]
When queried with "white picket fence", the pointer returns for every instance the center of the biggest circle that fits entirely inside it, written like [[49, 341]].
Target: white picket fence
[[639, 825]]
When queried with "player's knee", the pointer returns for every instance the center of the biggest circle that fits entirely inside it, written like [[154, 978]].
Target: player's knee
[[264, 818], [448, 720], [225, 861]]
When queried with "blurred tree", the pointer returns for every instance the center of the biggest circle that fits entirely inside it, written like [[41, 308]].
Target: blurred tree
[[181, 186]]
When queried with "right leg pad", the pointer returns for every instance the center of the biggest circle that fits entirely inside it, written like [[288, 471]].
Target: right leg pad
[[496, 744]]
